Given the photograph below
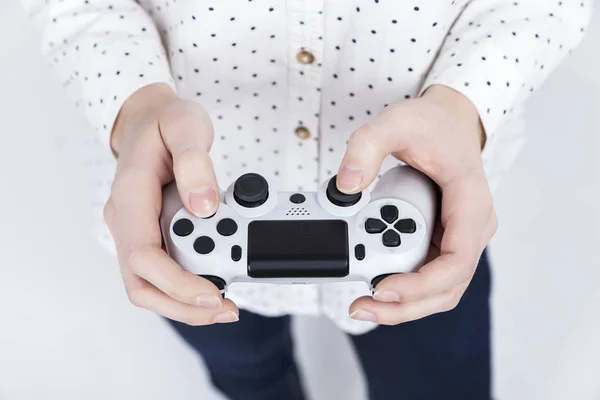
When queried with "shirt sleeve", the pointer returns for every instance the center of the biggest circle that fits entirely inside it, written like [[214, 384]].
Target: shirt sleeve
[[498, 52], [103, 51]]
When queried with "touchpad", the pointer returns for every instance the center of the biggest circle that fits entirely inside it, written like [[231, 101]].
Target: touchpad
[[302, 249]]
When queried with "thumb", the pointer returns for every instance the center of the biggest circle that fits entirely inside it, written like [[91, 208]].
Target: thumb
[[366, 150], [189, 137]]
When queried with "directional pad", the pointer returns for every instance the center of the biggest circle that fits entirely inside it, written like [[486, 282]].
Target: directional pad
[[389, 213], [395, 221], [406, 226], [391, 238], [374, 225]]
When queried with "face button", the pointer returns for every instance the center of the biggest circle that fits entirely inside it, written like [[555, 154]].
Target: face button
[[204, 245], [297, 198], [341, 199], [391, 238], [183, 227], [236, 253], [374, 225], [250, 190], [359, 252], [406, 226], [227, 227], [389, 213]]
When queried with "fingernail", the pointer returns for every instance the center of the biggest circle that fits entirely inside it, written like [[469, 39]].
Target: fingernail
[[349, 178], [362, 315], [203, 201], [208, 301], [386, 296], [225, 318]]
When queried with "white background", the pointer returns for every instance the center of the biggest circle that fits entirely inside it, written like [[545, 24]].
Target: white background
[[67, 330]]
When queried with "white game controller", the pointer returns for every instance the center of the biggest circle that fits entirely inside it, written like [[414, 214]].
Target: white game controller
[[258, 235]]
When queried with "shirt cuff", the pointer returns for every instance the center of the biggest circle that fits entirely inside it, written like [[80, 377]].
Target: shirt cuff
[[103, 95], [489, 80]]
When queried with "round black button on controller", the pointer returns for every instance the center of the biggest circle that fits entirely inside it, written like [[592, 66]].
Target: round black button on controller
[[251, 190], [183, 227], [227, 227], [338, 198], [297, 198], [204, 245]]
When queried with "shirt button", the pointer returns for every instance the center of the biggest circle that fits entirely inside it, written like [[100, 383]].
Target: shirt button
[[302, 132], [305, 57]]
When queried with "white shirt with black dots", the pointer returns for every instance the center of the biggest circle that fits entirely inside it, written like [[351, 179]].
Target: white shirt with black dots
[[286, 83]]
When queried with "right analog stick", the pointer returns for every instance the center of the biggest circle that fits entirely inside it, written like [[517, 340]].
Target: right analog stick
[[338, 198], [251, 190]]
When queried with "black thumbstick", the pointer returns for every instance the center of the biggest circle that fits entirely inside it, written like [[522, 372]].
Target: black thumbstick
[[338, 198], [250, 190]]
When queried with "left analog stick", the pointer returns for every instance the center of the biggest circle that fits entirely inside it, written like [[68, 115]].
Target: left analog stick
[[338, 198], [251, 190]]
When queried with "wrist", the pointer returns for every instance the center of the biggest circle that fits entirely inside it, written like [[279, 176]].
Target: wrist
[[460, 107], [141, 106]]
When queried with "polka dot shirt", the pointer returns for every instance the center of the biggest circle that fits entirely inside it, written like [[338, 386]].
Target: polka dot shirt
[[286, 83]]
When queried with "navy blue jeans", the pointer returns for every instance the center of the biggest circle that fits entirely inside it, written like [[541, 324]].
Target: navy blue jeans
[[443, 356]]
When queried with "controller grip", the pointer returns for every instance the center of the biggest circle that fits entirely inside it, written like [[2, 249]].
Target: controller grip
[[406, 183]]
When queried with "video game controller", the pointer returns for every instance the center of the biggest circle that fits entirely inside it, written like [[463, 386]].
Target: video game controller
[[259, 235]]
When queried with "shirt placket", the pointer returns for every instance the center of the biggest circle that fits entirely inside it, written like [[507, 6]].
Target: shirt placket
[[305, 54]]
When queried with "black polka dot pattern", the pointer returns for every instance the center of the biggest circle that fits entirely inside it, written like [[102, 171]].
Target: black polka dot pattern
[[286, 83]]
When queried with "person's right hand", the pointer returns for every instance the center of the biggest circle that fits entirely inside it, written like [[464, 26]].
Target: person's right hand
[[159, 137]]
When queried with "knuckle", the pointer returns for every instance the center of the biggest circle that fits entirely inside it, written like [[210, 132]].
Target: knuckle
[[121, 185], [451, 305], [191, 161], [109, 212], [185, 115], [183, 112], [448, 306], [452, 301], [395, 108], [135, 296], [190, 155], [364, 140], [135, 260], [363, 136]]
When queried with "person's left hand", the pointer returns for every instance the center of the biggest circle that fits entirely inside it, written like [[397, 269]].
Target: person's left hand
[[441, 135]]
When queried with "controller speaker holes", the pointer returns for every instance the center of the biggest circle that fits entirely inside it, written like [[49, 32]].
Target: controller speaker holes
[[297, 211]]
